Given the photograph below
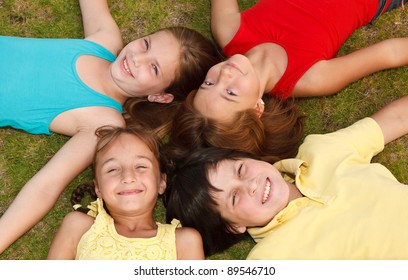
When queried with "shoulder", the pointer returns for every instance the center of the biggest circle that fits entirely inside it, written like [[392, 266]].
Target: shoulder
[[188, 234], [78, 220], [107, 116], [103, 115], [189, 244], [86, 120], [75, 224], [314, 81], [363, 139]]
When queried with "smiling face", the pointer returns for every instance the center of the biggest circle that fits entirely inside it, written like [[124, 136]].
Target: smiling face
[[252, 192], [127, 175], [229, 87], [147, 65]]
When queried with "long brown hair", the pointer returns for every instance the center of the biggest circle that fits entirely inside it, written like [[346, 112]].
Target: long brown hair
[[274, 136], [197, 55]]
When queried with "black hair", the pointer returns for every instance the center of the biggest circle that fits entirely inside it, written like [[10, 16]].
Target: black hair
[[189, 198]]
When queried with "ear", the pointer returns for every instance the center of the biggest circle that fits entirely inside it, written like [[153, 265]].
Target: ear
[[260, 107], [161, 97], [238, 229], [163, 183], [97, 191]]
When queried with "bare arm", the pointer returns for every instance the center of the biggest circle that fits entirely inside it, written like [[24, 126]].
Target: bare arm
[[225, 20], [189, 244], [41, 192], [65, 243], [99, 25], [393, 119], [330, 76]]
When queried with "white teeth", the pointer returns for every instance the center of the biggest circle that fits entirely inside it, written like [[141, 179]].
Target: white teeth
[[126, 66], [267, 191]]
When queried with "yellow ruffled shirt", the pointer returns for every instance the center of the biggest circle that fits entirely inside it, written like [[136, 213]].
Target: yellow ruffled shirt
[[102, 242]]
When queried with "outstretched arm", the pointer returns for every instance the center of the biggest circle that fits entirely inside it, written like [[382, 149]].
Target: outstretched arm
[[99, 25], [65, 243], [225, 20], [393, 119], [330, 76], [41, 192]]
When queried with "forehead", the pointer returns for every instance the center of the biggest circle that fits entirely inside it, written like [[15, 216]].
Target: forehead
[[165, 44], [221, 172], [212, 104], [125, 144], [166, 49]]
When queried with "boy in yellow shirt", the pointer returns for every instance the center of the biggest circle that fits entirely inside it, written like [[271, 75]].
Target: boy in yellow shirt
[[329, 202]]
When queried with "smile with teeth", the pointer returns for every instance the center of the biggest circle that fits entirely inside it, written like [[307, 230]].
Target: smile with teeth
[[129, 192], [267, 191], [126, 66]]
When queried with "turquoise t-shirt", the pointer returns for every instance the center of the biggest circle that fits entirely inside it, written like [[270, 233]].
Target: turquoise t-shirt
[[39, 81]]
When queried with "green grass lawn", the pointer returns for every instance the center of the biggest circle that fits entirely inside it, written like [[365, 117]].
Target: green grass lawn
[[22, 155]]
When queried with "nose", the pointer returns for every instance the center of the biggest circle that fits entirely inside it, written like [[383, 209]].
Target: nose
[[128, 176], [252, 186], [140, 59], [226, 72]]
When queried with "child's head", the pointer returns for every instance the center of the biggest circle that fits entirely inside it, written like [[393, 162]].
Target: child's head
[[221, 192], [164, 65], [230, 87], [128, 169], [195, 54], [275, 135]]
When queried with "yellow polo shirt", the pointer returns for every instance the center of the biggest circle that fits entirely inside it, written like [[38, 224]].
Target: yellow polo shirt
[[351, 209]]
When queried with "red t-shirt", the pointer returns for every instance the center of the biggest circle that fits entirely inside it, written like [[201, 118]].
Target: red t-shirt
[[308, 30]]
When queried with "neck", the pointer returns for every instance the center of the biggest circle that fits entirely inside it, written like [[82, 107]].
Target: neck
[[111, 89], [95, 72], [294, 192], [269, 61], [131, 224]]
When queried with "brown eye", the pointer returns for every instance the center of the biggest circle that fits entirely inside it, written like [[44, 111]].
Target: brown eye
[[207, 83], [230, 92]]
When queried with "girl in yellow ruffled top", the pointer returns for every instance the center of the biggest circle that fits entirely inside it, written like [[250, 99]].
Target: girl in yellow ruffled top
[[128, 179]]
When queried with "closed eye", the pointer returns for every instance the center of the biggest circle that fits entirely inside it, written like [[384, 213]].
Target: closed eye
[[141, 167], [234, 195], [146, 44], [239, 171]]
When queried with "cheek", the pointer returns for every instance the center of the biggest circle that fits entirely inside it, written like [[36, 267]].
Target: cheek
[[169, 75], [133, 46], [252, 88], [143, 82]]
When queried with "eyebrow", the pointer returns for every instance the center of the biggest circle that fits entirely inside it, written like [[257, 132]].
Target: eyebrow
[[137, 157]]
